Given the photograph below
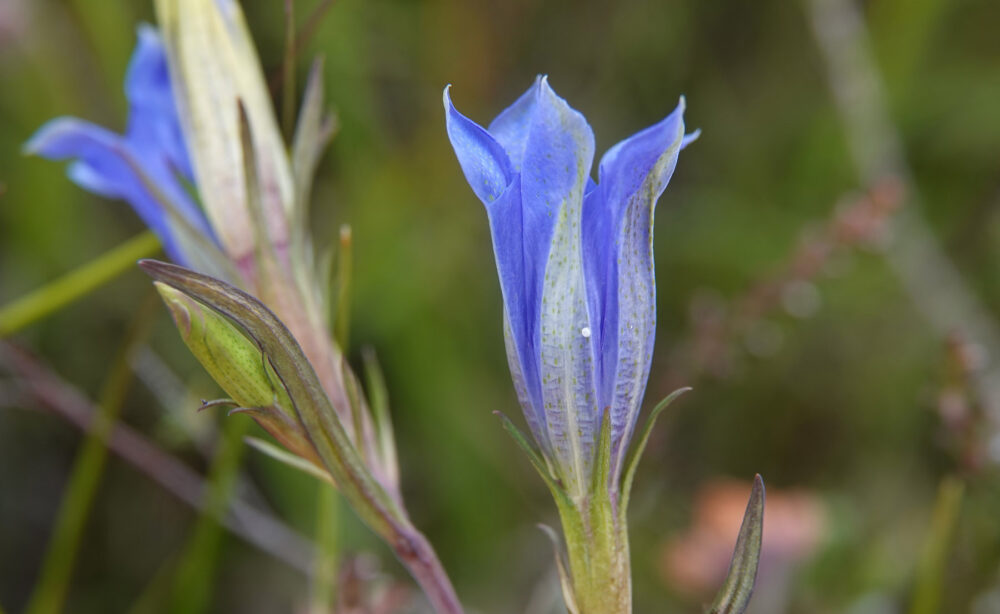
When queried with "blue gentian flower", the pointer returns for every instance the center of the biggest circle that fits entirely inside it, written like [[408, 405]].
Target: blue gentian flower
[[575, 261], [148, 165]]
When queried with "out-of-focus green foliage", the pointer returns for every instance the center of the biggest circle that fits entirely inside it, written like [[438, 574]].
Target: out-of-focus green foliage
[[845, 404]]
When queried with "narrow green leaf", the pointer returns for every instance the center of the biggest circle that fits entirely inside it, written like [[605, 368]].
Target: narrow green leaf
[[934, 561], [562, 498], [76, 284], [292, 460], [640, 446], [735, 594]]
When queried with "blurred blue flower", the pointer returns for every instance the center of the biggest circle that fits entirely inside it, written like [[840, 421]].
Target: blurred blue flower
[[148, 165], [575, 261]]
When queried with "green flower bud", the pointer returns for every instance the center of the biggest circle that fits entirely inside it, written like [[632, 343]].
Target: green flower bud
[[234, 361], [238, 366]]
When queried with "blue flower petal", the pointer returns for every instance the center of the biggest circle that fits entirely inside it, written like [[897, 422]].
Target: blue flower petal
[[512, 126], [618, 260], [487, 169], [154, 123], [145, 166], [105, 165], [558, 154], [483, 160]]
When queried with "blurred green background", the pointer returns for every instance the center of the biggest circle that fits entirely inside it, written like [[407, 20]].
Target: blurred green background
[[835, 386]]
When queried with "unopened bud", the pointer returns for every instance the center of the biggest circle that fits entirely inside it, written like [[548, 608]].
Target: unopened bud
[[233, 360]]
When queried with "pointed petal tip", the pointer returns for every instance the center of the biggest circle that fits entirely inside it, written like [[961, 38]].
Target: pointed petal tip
[[544, 87], [45, 134], [690, 138]]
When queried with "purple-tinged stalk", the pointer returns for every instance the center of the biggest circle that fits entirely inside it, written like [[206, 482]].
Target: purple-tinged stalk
[[575, 261]]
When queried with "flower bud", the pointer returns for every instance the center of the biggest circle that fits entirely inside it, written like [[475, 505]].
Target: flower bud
[[214, 63], [232, 360], [238, 366]]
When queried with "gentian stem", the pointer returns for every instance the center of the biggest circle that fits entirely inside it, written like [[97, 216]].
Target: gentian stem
[[78, 283], [324, 573], [598, 555]]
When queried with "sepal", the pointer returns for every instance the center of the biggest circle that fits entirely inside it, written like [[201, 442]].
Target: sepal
[[633, 460], [541, 466]]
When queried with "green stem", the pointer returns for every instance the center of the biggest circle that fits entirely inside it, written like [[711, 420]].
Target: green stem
[[933, 564], [323, 588], [54, 296], [194, 580], [50, 591], [598, 555]]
